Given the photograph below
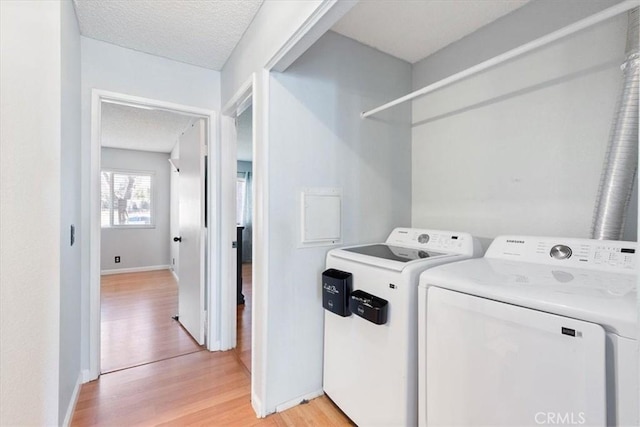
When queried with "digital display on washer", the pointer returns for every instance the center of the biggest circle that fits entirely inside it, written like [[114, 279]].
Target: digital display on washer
[[393, 253]]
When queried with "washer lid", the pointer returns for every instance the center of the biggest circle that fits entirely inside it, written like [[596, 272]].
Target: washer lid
[[601, 297], [393, 253], [409, 247], [392, 257]]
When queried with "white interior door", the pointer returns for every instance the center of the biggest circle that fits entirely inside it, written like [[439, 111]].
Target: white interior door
[[192, 231]]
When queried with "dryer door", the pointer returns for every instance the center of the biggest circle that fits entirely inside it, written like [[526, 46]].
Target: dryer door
[[491, 363]]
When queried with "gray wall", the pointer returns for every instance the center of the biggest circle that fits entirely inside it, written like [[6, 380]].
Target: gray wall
[[139, 247], [70, 286], [517, 149], [536, 19], [317, 139], [247, 234], [244, 137], [244, 166]]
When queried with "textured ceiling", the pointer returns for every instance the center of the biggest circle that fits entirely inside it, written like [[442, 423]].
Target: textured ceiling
[[197, 32], [141, 129], [413, 30]]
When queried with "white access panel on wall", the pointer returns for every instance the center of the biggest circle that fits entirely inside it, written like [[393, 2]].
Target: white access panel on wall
[[491, 363], [321, 216]]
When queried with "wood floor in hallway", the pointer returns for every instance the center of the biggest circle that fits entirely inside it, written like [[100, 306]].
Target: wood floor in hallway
[[199, 388], [136, 324], [243, 322]]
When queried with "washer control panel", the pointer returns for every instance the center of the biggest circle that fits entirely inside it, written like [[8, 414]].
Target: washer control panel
[[607, 255], [434, 240]]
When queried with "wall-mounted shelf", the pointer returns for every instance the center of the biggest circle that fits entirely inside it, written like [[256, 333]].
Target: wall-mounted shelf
[[513, 53]]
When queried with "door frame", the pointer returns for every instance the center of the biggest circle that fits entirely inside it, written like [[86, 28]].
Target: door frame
[[229, 157], [212, 250], [327, 13], [254, 89]]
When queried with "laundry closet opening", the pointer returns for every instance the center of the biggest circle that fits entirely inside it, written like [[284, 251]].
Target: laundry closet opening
[[514, 150]]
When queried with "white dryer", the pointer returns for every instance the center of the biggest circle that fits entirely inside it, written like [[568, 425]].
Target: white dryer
[[541, 331], [370, 336]]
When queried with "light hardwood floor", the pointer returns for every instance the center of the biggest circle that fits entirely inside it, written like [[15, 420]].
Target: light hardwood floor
[[200, 388], [243, 323], [136, 324]]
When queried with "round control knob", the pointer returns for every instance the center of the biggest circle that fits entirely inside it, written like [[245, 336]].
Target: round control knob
[[560, 252], [423, 238]]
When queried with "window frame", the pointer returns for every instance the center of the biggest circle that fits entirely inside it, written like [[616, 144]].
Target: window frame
[[152, 196]]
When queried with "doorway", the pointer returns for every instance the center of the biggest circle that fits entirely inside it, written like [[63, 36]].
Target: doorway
[[244, 239], [138, 203], [249, 99], [148, 313]]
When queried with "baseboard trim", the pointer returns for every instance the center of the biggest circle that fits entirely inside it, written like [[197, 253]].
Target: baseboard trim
[[73, 402], [298, 400], [175, 276], [88, 376], [257, 406], [134, 269]]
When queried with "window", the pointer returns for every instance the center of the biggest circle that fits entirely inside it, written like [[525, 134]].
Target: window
[[241, 197], [126, 199]]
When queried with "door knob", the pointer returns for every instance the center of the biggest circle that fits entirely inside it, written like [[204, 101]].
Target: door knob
[[177, 239]]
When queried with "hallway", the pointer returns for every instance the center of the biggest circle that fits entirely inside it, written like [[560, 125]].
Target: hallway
[[181, 383]]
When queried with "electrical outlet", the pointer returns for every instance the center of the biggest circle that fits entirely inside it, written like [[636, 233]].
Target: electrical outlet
[[117, 259]]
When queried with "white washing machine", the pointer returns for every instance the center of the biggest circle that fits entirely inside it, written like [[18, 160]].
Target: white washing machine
[[370, 336], [541, 331]]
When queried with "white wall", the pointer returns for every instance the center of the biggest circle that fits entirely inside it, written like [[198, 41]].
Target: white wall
[[139, 247], [517, 149], [30, 212], [70, 285], [273, 25], [317, 139], [113, 68]]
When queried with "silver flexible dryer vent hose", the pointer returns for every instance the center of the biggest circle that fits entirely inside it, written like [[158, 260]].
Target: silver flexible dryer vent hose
[[621, 161]]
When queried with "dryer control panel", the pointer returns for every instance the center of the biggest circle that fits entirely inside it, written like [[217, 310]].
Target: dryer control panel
[[608, 255], [435, 240]]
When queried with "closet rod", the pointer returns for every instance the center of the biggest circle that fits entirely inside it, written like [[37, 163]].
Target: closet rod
[[527, 47]]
